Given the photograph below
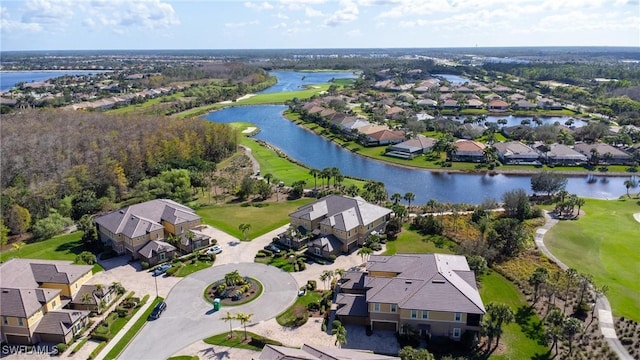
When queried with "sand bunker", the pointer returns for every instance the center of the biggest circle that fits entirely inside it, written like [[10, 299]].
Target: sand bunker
[[249, 130], [637, 217]]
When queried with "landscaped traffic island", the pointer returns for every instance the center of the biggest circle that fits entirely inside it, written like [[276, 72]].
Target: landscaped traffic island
[[234, 289]]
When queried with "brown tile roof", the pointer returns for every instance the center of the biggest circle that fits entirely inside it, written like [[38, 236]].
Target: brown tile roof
[[468, 146]]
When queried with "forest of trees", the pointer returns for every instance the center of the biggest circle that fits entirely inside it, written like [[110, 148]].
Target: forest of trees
[[77, 163]]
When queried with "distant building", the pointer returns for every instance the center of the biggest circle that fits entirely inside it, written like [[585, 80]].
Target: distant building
[[606, 153]]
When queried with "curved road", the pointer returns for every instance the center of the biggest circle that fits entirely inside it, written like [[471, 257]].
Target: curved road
[[605, 317], [189, 317]]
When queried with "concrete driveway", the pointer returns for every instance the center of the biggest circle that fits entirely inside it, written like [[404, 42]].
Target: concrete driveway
[[189, 317]]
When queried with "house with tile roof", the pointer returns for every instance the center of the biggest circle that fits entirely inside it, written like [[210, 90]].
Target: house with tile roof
[[467, 150], [141, 230], [560, 154], [608, 154], [411, 148], [341, 222], [515, 152], [33, 295], [497, 105], [433, 293], [314, 352]]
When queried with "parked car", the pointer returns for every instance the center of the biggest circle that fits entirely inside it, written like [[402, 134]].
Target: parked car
[[215, 249], [157, 311], [272, 248], [161, 269]]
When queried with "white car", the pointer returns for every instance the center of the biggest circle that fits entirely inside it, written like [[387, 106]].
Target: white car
[[215, 249]]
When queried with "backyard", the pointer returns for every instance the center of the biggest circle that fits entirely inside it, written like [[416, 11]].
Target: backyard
[[604, 243]]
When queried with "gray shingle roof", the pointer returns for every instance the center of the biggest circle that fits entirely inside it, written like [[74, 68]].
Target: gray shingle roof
[[327, 243], [352, 305], [59, 322], [153, 247], [314, 352], [137, 220], [515, 149], [342, 212], [58, 274], [24, 302], [434, 282], [19, 273]]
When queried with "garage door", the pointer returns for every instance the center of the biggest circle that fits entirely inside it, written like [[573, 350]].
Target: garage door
[[384, 326], [51, 338], [18, 339]]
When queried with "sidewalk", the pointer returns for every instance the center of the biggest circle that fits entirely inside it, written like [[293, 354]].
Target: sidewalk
[[605, 317]]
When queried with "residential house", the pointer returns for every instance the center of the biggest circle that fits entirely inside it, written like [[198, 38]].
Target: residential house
[[515, 152], [469, 131], [502, 88], [93, 297], [497, 105], [474, 104], [32, 296], [427, 103], [133, 228], [450, 104], [394, 112], [482, 89], [433, 293], [560, 154], [523, 104], [606, 153], [517, 96], [412, 147], [350, 220], [493, 96], [296, 237], [315, 352], [468, 150], [385, 137], [549, 104]]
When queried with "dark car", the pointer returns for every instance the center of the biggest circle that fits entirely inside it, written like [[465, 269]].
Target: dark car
[[157, 311], [272, 248]]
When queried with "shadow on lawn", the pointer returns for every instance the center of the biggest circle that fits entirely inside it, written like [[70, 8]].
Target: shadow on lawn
[[74, 247], [530, 326]]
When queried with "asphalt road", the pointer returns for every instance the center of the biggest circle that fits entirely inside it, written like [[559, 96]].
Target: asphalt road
[[189, 318]]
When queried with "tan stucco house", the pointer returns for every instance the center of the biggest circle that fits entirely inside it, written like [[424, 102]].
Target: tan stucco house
[[33, 295], [141, 230], [433, 293], [341, 222]]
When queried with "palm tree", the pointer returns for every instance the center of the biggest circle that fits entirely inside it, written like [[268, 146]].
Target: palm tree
[[631, 183], [325, 174], [340, 332], [537, 279], [396, 197], [86, 298], [325, 276], [335, 173], [353, 190], [245, 230], [364, 253], [314, 173], [497, 315], [571, 274], [268, 177], [409, 197], [117, 287], [570, 328], [244, 319], [579, 203], [233, 278], [554, 320], [229, 318]]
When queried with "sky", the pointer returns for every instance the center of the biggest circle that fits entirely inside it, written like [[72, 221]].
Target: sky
[[278, 24]]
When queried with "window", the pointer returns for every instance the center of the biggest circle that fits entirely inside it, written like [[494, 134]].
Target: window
[[414, 314], [20, 323], [163, 256], [5, 321], [425, 314], [376, 307], [457, 317], [53, 304], [318, 251], [394, 308], [456, 333]]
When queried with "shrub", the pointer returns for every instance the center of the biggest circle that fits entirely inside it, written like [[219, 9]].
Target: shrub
[[62, 347], [332, 257], [313, 306], [312, 285], [97, 350], [144, 265], [259, 341], [261, 254], [173, 270], [267, 252]]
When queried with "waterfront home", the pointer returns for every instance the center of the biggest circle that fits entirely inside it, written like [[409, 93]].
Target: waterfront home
[[523, 104], [435, 294], [469, 131], [497, 105], [560, 154], [412, 147], [385, 137], [606, 153], [349, 220], [515, 152], [468, 151], [33, 297], [142, 231], [549, 104]]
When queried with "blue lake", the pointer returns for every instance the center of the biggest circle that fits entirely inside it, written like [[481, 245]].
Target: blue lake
[[293, 81], [9, 79], [454, 79], [316, 152]]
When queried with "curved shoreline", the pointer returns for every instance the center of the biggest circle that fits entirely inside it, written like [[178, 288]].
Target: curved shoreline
[[513, 172]]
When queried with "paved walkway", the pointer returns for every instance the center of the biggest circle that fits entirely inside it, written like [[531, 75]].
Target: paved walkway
[[605, 317]]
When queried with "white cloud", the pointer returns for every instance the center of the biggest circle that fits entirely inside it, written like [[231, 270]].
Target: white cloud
[[241, 24], [9, 25], [311, 12], [348, 12], [258, 6], [282, 16], [279, 26], [299, 4], [120, 15], [48, 12]]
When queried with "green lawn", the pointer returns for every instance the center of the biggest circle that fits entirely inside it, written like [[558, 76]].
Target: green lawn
[[61, 247], [518, 337], [188, 269], [288, 316], [227, 217], [237, 341], [131, 333], [604, 243], [410, 241]]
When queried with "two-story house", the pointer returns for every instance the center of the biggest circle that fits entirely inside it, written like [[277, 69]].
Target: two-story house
[[32, 296], [343, 222], [142, 230], [433, 293]]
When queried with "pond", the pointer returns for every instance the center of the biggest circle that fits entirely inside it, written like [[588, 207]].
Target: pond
[[453, 79], [317, 152]]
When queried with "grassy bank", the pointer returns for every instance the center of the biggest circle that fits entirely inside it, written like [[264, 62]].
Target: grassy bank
[[604, 243]]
